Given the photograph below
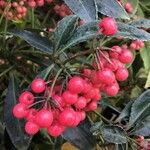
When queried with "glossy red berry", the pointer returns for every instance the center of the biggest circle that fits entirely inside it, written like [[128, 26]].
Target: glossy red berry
[[108, 26], [82, 115], [26, 98], [81, 103], [31, 114], [44, 118], [20, 111], [105, 76], [128, 7], [115, 52], [126, 56], [122, 74], [67, 117], [69, 97], [59, 101], [112, 90], [55, 129], [92, 106], [31, 128], [76, 85], [38, 85]]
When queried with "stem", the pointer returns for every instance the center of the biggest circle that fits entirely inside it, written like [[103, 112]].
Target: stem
[[7, 70], [36, 103], [46, 17], [53, 84], [32, 18]]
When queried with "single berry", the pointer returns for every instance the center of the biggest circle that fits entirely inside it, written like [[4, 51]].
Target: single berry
[[92, 106], [112, 90], [31, 128], [38, 85], [128, 7], [31, 114], [20, 111], [59, 101], [67, 117], [115, 52], [76, 85], [105, 76], [81, 103], [108, 26], [26, 98], [126, 56], [122, 74], [55, 129], [44, 118], [69, 97]]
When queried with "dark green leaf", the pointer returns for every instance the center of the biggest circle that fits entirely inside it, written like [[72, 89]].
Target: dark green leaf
[[80, 136], [143, 127], [111, 8], [141, 23], [145, 2], [125, 112], [83, 33], [14, 127], [140, 108], [114, 134], [85, 9], [64, 30], [35, 40], [131, 32]]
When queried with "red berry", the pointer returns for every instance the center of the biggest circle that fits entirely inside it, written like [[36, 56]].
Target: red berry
[[112, 90], [20, 111], [69, 97], [87, 72], [76, 85], [122, 74], [26, 98], [31, 128], [92, 106], [67, 117], [128, 7], [44, 118], [108, 26], [59, 100], [126, 56], [81, 103], [82, 115], [31, 114], [116, 51], [38, 85], [113, 65], [55, 129], [105, 76], [87, 86]]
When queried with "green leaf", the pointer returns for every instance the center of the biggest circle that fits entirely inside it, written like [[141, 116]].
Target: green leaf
[[125, 112], [111, 8], [85, 9], [131, 32], [14, 127], [80, 136], [35, 40], [143, 127], [140, 108], [135, 92], [145, 54], [141, 23], [145, 2], [114, 134], [83, 33], [64, 30], [147, 84]]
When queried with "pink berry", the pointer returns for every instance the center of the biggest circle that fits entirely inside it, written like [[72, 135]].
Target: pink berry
[[81, 103], [26, 98], [38, 85], [67, 117], [59, 100], [55, 129], [105, 76], [128, 7], [92, 106], [31, 114], [108, 26], [31, 128], [112, 90], [44, 118], [69, 97], [122, 74], [20, 111], [116, 51], [76, 85], [126, 56]]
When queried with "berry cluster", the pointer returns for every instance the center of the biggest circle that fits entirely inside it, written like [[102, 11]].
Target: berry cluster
[[137, 44], [16, 10], [62, 10]]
